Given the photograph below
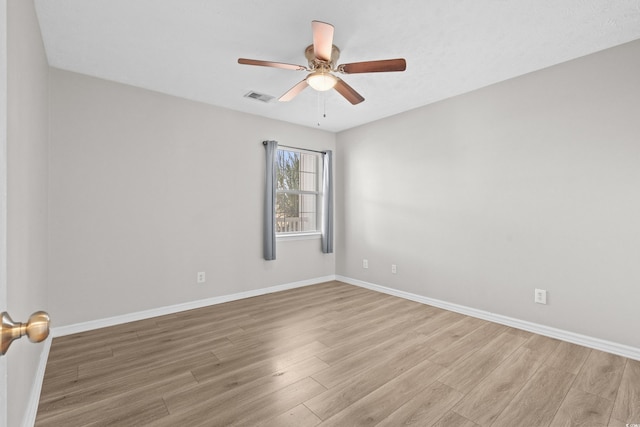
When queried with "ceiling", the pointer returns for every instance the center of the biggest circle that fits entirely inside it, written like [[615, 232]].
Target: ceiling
[[189, 48]]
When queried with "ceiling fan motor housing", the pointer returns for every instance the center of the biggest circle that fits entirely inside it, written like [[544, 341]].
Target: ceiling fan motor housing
[[315, 63]]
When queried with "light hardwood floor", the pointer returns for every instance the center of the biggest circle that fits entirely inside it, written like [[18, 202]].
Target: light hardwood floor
[[331, 355]]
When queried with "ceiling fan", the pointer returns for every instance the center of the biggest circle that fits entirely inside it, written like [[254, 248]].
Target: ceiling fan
[[322, 56]]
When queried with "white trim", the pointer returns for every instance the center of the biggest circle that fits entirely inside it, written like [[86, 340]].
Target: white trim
[[598, 344], [298, 236], [31, 411], [3, 201], [161, 311], [583, 340]]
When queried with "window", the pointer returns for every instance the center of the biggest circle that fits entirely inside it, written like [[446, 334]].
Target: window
[[297, 192]]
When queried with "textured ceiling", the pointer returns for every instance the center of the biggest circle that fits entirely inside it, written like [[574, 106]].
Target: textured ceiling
[[189, 48]]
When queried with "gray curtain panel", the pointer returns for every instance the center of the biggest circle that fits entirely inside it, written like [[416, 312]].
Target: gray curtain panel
[[327, 203], [271, 149]]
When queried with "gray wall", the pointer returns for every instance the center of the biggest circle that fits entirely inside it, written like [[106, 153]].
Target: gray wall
[[147, 189], [479, 199], [27, 151]]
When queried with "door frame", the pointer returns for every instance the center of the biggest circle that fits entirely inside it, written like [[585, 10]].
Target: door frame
[[3, 199]]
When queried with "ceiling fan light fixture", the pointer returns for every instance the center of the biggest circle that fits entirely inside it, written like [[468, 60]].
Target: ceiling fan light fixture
[[322, 81]]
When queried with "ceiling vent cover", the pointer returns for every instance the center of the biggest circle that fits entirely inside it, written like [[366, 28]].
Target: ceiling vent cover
[[259, 96]]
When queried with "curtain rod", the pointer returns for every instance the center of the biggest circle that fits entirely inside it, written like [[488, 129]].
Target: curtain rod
[[297, 148]]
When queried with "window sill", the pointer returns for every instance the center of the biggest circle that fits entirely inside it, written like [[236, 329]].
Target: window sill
[[299, 236]]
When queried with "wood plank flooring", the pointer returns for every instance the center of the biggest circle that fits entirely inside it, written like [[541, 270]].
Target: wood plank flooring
[[331, 355]]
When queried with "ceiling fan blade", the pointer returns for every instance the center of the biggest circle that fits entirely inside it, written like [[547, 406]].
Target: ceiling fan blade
[[374, 66], [322, 40], [294, 91], [348, 92], [246, 61]]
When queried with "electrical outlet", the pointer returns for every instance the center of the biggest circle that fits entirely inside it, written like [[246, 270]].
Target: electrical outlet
[[540, 296], [394, 270], [201, 277], [365, 263]]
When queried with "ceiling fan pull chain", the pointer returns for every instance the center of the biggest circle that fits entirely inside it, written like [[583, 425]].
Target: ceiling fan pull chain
[[318, 105], [322, 104], [324, 112]]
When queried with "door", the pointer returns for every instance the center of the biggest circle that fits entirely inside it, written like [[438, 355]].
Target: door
[[3, 198]]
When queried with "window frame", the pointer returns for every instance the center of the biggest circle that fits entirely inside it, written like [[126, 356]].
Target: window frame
[[317, 232]]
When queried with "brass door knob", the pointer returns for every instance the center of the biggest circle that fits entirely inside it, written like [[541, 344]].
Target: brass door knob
[[36, 328]]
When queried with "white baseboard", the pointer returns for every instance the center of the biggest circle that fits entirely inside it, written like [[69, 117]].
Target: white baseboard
[[595, 343], [583, 340], [32, 408], [29, 418], [59, 331]]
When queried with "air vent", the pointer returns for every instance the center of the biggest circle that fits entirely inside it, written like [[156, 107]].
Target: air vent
[[259, 96]]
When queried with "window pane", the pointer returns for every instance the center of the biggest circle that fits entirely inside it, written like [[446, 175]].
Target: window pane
[[308, 172], [288, 170], [308, 204], [287, 213]]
